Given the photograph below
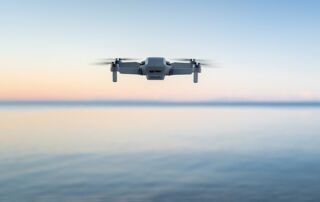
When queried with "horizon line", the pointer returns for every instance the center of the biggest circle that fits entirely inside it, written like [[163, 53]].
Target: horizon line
[[123, 102]]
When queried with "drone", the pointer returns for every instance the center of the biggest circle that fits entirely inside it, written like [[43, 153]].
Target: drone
[[155, 68]]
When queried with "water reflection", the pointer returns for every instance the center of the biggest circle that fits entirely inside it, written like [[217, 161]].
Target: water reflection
[[162, 154]]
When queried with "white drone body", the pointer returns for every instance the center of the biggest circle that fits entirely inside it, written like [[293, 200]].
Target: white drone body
[[155, 68]]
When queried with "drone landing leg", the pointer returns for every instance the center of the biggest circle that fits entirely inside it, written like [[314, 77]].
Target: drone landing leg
[[114, 76], [195, 76]]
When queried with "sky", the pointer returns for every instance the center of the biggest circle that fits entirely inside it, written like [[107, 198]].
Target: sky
[[267, 50]]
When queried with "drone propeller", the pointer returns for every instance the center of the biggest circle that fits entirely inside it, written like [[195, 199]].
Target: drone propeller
[[181, 59], [202, 62], [209, 65], [123, 59], [109, 61], [189, 59], [104, 63]]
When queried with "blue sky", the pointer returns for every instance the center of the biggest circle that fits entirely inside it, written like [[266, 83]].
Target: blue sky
[[267, 49]]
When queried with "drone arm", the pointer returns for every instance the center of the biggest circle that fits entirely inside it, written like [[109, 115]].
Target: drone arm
[[129, 68], [181, 68]]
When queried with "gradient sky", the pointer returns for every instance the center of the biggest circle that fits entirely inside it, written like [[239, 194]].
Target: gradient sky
[[268, 50]]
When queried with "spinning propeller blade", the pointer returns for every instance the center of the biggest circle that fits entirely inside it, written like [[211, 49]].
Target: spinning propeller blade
[[103, 63], [109, 61], [113, 59], [209, 65], [203, 62]]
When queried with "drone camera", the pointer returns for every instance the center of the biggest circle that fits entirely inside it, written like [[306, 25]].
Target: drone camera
[[155, 71]]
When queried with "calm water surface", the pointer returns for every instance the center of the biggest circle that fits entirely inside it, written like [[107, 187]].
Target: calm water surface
[[159, 154]]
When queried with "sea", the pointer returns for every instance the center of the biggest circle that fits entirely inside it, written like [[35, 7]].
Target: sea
[[159, 153]]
